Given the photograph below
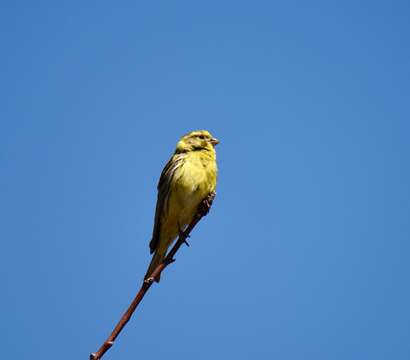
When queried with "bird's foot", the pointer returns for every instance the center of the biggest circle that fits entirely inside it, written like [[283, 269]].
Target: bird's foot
[[205, 205], [182, 235]]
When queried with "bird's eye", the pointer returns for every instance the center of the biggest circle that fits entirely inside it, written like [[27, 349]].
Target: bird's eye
[[202, 137]]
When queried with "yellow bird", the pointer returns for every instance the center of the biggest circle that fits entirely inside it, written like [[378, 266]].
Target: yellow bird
[[188, 177]]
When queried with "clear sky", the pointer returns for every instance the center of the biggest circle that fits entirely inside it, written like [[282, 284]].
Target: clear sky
[[305, 254]]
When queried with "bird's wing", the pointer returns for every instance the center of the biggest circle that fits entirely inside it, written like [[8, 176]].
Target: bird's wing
[[164, 188]]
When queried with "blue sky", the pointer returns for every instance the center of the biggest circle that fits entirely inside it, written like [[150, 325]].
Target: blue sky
[[305, 254]]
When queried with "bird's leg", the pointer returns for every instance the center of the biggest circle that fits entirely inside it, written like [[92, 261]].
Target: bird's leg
[[205, 205], [182, 235]]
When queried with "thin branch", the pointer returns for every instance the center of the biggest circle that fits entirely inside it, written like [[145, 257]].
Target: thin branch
[[203, 209]]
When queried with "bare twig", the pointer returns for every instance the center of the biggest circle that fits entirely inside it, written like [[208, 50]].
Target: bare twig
[[203, 209]]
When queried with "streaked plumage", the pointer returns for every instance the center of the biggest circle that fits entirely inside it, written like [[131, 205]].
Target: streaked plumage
[[188, 177]]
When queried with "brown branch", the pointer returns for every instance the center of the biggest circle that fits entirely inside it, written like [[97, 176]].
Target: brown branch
[[203, 209]]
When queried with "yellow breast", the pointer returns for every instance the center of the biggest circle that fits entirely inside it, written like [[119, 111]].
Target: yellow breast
[[191, 183]]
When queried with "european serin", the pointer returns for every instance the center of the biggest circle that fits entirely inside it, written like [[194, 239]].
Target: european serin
[[189, 176]]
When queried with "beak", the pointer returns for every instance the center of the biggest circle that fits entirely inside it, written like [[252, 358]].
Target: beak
[[214, 141]]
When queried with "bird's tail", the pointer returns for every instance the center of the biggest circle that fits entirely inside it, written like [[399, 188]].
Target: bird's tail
[[156, 260]]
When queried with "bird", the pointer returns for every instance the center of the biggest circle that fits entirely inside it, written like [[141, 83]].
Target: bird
[[186, 180]]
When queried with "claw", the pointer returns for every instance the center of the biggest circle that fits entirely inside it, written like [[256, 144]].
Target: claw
[[182, 234], [206, 204]]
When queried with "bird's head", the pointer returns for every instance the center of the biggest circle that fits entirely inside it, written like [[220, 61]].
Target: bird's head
[[197, 140]]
